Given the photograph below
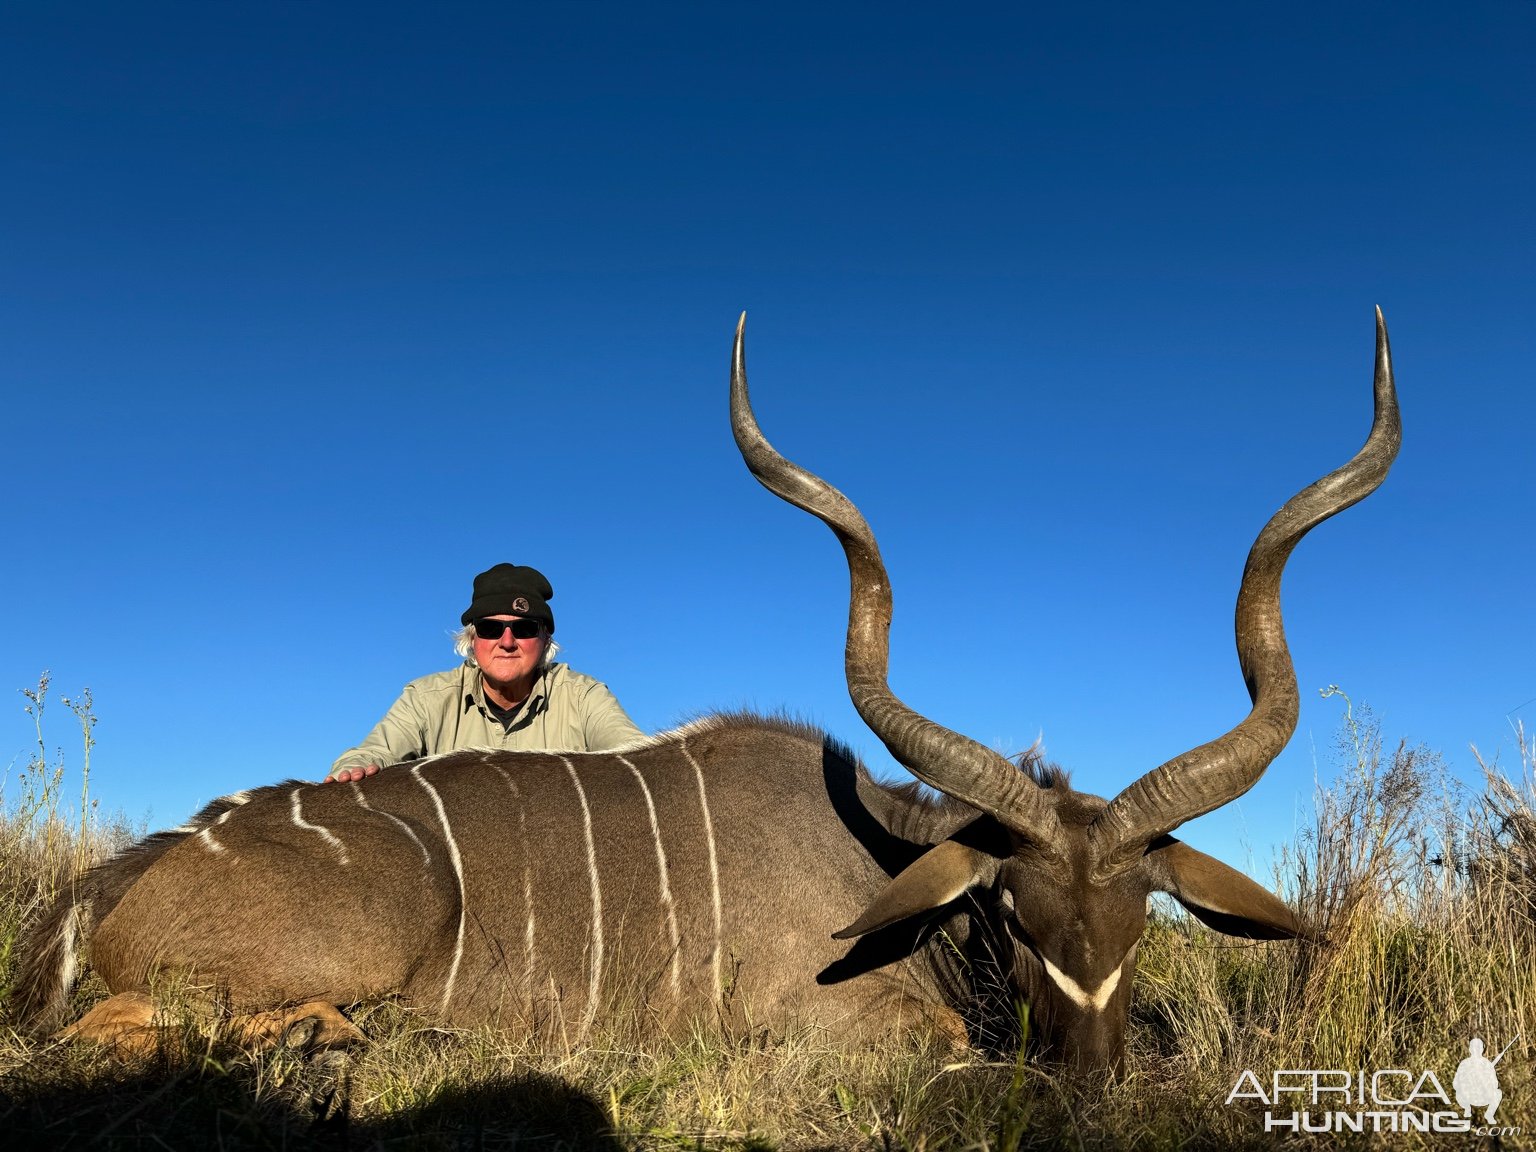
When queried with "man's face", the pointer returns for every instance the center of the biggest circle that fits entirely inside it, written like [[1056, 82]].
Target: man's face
[[507, 661]]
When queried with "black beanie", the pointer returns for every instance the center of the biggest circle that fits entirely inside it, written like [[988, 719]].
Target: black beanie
[[511, 590]]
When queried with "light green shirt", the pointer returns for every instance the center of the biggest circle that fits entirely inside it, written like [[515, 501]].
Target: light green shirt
[[565, 712]]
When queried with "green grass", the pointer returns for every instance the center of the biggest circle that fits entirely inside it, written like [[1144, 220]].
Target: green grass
[[1425, 895]]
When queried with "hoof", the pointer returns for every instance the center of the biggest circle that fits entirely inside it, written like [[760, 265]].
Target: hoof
[[311, 1027]]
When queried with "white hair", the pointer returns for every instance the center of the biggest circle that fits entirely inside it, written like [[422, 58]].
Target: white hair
[[464, 644]]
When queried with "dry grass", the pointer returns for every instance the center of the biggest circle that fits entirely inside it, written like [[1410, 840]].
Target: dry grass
[[44, 838], [1424, 896]]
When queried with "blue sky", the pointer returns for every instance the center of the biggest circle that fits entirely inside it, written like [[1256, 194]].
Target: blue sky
[[312, 311]]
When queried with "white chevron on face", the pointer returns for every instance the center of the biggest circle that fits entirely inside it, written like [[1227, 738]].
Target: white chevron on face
[[1089, 1000]]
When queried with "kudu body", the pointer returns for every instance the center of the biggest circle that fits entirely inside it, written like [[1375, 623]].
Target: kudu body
[[718, 868]]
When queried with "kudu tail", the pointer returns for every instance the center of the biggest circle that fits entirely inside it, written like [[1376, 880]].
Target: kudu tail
[[51, 949], [49, 963]]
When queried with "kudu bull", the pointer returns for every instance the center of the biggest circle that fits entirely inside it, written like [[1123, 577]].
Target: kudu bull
[[721, 865]]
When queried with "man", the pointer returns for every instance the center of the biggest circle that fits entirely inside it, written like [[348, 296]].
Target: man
[[508, 694]]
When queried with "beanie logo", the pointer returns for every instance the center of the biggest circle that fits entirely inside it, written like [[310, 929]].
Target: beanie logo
[[520, 605]]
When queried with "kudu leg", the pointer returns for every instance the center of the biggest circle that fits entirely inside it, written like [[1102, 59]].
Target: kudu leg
[[126, 1024]]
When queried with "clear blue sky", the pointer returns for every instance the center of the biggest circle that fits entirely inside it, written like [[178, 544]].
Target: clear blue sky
[[312, 311]]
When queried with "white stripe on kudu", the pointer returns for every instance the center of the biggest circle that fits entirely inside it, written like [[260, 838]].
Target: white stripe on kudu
[[596, 954], [522, 839], [357, 794], [661, 868], [458, 871], [714, 867], [297, 810], [205, 837]]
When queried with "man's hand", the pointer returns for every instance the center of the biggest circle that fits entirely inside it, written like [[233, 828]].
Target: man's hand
[[351, 775]]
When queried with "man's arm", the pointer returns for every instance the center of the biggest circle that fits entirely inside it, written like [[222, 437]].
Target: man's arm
[[400, 736], [605, 723]]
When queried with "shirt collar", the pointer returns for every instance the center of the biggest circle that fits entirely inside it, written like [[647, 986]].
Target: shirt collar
[[538, 699]]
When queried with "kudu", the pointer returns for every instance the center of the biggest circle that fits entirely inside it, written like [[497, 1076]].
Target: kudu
[[716, 868]]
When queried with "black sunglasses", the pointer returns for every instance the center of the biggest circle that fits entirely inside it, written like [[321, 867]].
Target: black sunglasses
[[523, 629]]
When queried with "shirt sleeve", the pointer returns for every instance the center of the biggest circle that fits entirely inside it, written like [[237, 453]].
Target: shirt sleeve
[[400, 736], [605, 724]]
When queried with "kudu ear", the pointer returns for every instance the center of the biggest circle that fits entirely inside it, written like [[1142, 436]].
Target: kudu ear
[[1220, 897], [945, 871]]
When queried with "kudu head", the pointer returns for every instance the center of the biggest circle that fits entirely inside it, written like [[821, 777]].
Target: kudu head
[[1065, 876]]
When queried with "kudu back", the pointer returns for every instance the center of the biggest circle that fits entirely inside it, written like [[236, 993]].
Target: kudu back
[[717, 870]]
